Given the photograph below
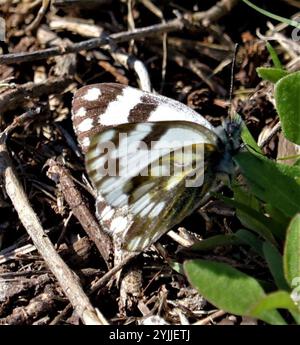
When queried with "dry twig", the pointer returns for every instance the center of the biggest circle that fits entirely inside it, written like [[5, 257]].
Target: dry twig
[[60, 175], [129, 61], [222, 8], [13, 97], [213, 14], [35, 23], [210, 318], [172, 25]]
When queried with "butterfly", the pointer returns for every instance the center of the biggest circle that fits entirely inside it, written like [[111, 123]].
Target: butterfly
[[151, 159]]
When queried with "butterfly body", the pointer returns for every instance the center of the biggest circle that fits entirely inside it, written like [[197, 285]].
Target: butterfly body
[[151, 159]]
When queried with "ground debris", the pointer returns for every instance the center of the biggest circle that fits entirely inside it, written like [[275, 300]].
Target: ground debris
[[48, 52]]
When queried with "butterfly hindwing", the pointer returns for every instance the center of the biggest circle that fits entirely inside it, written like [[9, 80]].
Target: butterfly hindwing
[[141, 178]]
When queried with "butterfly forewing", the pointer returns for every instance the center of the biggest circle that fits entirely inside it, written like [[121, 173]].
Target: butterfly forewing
[[96, 107], [149, 176]]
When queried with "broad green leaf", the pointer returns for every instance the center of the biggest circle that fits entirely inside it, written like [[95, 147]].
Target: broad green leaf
[[274, 56], [251, 240], [277, 216], [213, 242], [269, 184], [227, 288], [296, 316], [243, 195], [272, 301], [287, 101], [291, 255], [275, 263], [292, 171], [271, 74], [255, 220], [249, 140]]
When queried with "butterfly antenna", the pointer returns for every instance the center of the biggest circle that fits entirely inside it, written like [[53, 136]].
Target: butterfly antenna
[[230, 111]]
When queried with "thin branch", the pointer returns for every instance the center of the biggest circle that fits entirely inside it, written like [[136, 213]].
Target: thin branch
[[129, 61], [272, 133], [41, 13], [219, 10], [107, 276], [213, 14], [61, 176], [13, 97], [210, 318], [173, 25]]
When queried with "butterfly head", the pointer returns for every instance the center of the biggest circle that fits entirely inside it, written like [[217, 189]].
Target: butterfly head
[[230, 144]]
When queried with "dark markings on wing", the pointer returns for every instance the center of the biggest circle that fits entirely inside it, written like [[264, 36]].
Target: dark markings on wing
[[93, 109], [141, 112], [150, 201], [178, 203], [143, 106]]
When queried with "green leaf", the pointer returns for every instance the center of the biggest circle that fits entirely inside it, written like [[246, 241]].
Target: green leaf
[[251, 240], [291, 257], [213, 242], [269, 184], [275, 263], [248, 219], [287, 101], [274, 56], [277, 216], [273, 16], [227, 288], [249, 140], [271, 74], [255, 220], [296, 316], [292, 171], [274, 300], [243, 195]]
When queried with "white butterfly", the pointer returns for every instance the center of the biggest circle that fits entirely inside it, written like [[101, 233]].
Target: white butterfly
[[151, 159]]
